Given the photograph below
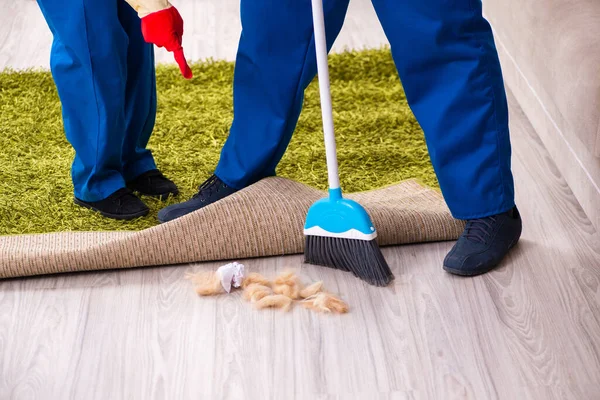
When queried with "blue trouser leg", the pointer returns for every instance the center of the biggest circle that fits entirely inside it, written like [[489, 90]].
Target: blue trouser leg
[[275, 63], [90, 62], [445, 54], [140, 97], [446, 57]]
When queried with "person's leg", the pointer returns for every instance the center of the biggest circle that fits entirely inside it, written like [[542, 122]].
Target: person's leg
[[88, 63], [275, 63], [445, 55], [139, 169], [140, 96]]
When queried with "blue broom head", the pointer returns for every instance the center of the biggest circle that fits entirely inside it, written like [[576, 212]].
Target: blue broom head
[[337, 217]]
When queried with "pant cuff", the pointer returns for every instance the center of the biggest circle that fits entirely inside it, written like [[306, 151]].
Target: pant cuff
[[484, 214], [133, 170]]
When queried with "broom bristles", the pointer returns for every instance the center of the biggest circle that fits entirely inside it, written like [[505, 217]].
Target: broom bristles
[[361, 257]]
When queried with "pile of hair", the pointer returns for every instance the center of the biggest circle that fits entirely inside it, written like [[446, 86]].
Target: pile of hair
[[281, 293]]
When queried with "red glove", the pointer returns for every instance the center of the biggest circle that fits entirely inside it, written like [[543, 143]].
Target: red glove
[[164, 28]]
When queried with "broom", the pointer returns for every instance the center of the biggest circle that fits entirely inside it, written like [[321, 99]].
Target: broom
[[339, 233]]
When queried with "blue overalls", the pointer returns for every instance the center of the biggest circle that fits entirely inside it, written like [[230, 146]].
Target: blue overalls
[[446, 57], [104, 73]]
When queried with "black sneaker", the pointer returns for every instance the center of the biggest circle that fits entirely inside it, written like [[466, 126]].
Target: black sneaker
[[209, 192], [122, 204], [483, 244], [153, 183]]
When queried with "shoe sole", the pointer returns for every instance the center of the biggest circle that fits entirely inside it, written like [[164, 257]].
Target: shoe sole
[[479, 272], [121, 217], [466, 273]]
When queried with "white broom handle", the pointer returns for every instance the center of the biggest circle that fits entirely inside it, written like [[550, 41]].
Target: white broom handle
[[326, 108]]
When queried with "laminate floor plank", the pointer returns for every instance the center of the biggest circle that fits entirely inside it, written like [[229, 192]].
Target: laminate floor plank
[[212, 30]]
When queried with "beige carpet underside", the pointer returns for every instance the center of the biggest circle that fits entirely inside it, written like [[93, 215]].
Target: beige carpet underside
[[265, 219]]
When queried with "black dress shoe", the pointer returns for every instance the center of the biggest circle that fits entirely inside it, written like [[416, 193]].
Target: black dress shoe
[[210, 191], [153, 183], [484, 243], [122, 204]]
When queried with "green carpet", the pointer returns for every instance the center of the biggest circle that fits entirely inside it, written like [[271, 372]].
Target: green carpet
[[379, 141]]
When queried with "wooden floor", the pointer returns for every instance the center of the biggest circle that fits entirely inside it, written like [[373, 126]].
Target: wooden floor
[[212, 30], [529, 330]]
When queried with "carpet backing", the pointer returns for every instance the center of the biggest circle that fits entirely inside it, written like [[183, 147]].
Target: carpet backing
[[265, 219]]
